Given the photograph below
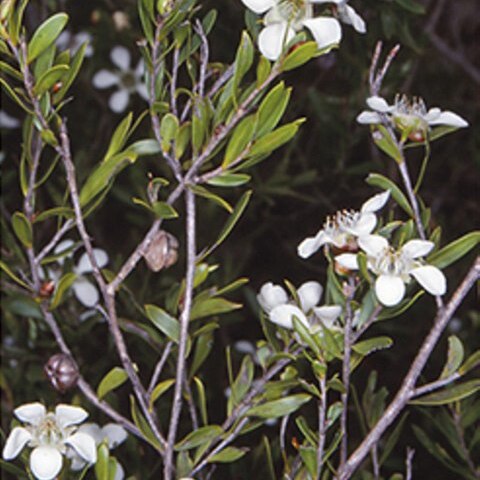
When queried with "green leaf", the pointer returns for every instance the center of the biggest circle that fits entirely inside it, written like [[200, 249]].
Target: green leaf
[[203, 347], [239, 141], [202, 399], [168, 130], [164, 322], [206, 307], [306, 336], [412, 6], [272, 109], [299, 55], [119, 137], [470, 363], [62, 287], [182, 139], [228, 455], [385, 142], [113, 379], [378, 180], [203, 192], [22, 228], [159, 390], [243, 59], [101, 465], [164, 210], [279, 408], [229, 180], [15, 278], [46, 34], [454, 357], [143, 425], [69, 78], [449, 395], [366, 347], [199, 437], [275, 139], [455, 250], [50, 78], [147, 146], [11, 93]]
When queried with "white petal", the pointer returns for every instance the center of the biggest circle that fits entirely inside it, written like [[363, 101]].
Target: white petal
[[76, 462], [85, 266], [283, 316], [326, 31], [259, 6], [309, 295], [328, 314], [432, 114], [142, 90], [85, 292], [31, 413], [379, 104], [17, 439], [451, 119], [271, 296], [351, 17], [347, 260], [120, 57], [376, 202], [364, 225], [63, 246], [93, 430], [66, 415], [389, 290], [244, 346], [369, 118], [115, 434], [272, 38], [45, 462], [7, 121], [119, 472], [311, 244], [118, 101], [431, 279], [105, 79], [373, 245], [84, 445], [417, 248]]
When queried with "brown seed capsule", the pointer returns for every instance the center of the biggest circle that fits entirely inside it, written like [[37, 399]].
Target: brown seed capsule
[[162, 251], [62, 371]]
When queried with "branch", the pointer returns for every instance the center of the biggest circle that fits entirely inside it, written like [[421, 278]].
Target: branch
[[408, 385]]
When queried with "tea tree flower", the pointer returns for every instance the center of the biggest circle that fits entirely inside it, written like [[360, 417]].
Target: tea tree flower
[[284, 18], [126, 80], [111, 433], [342, 229], [74, 41], [394, 268], [281, 310], [409, 115], [50, 435]]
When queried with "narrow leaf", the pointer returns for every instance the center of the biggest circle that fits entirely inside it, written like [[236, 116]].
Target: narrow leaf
[[113, 379]]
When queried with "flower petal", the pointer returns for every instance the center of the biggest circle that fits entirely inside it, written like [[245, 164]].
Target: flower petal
[[271, 39], [309, 295], [93, 430], [431, 279], [389, 290], [369, 118], [31, 413], [379, 104], [142, 90], [118, 101], [328, 314], [349, 16], [85, 266], [417, 248], [326, 31], [449, 118], [63, 246], [271, 296], [283, 316], [120, 56], [84, 445], [66, 415], [86, 292], [119, 472], [311, 244], [259, 6], [45, 462], [373, 245], [115, 434], [364, 225], [376, 202], [347, 260], [105, 79], [7, 121], [432, 114], [17, 439]]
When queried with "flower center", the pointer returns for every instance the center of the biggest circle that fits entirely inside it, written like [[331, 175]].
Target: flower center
[[391, 262], [294, 11], [128, 80], [47, 432], [409, 114]]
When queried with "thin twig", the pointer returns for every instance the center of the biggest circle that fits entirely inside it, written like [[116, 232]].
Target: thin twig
[[54, 240], [158, 368], [322, 423], [204, 54], [457, 421], [408, 463]]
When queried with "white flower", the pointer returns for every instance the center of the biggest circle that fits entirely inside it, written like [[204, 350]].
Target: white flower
[[8, 122], [112, 433], [50, 435], [394, 268], [85, 291], [342, 229], [284, 18], [280, 310], [74, 41], [408, 115], [126, 80]]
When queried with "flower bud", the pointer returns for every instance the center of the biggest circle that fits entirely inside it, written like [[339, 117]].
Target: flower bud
[[162, 251], [62, 371]]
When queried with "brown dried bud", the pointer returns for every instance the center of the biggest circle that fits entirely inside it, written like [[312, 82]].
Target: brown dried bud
[[162, 251], [46, 289], [62, 371]]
